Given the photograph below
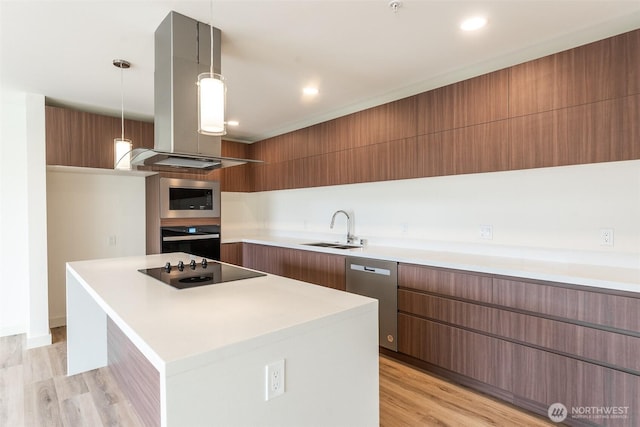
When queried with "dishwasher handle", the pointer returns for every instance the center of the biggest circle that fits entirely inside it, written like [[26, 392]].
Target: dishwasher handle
[[373, 270]]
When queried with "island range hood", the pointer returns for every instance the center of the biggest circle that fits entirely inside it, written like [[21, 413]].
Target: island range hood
[[182, 51]]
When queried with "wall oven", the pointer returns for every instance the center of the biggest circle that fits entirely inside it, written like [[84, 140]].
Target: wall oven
[[201, 240], [188, 198]]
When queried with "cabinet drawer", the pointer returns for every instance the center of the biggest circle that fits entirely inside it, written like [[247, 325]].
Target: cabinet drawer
[[445, 282], [477, 356], [547, 378], [608, 310], [605, 347]]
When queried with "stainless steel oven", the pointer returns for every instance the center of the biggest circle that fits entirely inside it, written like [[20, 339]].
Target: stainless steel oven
[[188, 198], [200, 240]]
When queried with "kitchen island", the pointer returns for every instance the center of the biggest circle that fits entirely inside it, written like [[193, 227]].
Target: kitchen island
[[199, 356]]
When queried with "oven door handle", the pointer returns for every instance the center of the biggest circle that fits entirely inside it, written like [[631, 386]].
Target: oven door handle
[[195, 237]]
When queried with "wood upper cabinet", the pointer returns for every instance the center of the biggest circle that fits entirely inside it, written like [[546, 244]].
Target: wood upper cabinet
[[236, 178], [539, 140], [603, 131], [574, 107], [76, 138], [590, 73], [482, 99], [632, 55], [308, 266]]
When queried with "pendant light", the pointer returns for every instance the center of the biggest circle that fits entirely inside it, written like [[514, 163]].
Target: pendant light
[[212, 97], [122, 146]]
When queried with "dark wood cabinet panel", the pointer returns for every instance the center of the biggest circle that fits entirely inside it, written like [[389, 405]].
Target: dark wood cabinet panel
[[235, 178], [632, 55], [537, 342], [477, 356], [138, 379], [231, 253], [475, 287], [598, 132], [316, 170], [602, 131], [435, 154], [370, 163], [623, 391], [288, 146], [403, 159], [402, 119], [631, 127], [552, 378], [481, 148], [478, 100], [308, 266], [574, 107], [570, 339], [576, 384], [539, 140], [482, 99], [586, 74], [76, 138], [597, 308]]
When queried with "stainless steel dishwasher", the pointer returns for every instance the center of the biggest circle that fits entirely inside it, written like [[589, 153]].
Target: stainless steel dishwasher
[[377, 279]]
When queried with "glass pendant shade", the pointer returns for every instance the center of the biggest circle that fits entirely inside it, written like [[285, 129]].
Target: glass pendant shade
[[212, 99], [122, 153]]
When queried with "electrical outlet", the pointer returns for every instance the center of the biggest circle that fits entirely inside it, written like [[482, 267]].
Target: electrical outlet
[[486, 232], [112, 241], [606, 237], [274, 379]]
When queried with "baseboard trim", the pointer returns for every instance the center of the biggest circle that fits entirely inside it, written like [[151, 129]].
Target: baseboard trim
[[7, 331], [39, 341], [56, 322]]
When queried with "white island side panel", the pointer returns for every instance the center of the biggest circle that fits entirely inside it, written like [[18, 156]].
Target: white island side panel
[[86, 329], [331, 379]]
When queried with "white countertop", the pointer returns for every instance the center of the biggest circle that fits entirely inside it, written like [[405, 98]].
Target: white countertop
[[602, 276], [180, 329]]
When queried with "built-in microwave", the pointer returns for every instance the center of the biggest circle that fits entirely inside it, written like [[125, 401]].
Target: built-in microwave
[[188, 198]]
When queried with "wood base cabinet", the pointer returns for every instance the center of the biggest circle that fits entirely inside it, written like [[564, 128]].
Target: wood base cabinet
[[231, 253], [529, 342], [308, 266]]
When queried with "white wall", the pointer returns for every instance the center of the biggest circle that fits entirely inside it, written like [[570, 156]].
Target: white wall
[[23, 246], [91, 214], [547, 213]]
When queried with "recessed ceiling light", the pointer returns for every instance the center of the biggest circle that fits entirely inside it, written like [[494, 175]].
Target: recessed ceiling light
[[472, 24], [233, 123], [310, 90]]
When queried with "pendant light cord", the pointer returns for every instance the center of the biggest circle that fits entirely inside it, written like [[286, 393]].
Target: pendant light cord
[[122, 102], [211, 34]]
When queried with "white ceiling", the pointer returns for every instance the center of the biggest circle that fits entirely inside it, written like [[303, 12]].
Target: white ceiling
[[359, 53]]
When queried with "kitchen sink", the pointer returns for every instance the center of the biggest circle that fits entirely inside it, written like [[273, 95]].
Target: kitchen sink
[[335, 245]]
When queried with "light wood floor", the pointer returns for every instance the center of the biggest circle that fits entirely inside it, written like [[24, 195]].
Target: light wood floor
[[35, 391]]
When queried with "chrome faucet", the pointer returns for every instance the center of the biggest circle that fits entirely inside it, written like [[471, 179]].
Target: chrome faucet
[[350, 237]]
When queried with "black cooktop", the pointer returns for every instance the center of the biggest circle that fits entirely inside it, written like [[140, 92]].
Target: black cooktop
[[182, 276]]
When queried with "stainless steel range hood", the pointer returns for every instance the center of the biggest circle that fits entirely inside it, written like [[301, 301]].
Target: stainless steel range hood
[[182, 51]]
